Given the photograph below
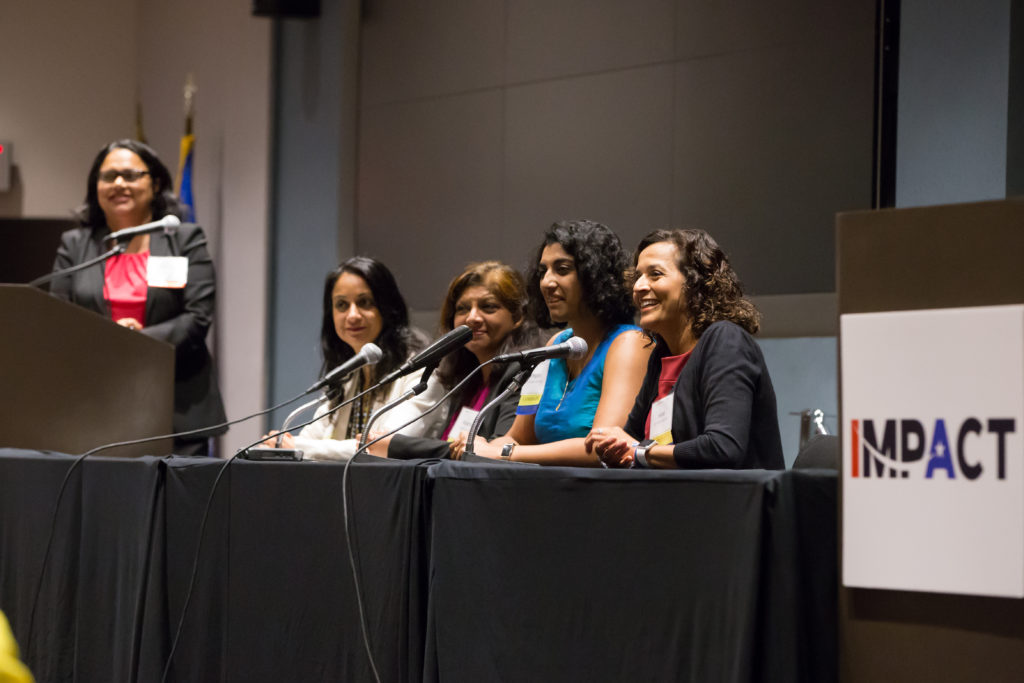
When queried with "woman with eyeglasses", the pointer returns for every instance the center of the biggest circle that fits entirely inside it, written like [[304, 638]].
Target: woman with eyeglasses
[[162, 285]]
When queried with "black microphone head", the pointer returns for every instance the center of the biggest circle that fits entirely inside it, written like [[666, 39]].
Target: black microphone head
[[577, 348]]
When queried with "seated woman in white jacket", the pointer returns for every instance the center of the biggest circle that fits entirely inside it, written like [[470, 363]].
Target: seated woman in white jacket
[[362, 304]]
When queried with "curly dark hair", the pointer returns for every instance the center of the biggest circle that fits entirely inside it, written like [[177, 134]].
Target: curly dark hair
[[164, 202], [713, 290], [397, 340], [601, 265], [509, 288]]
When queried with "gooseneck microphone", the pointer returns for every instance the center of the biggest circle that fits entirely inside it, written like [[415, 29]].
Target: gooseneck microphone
[[370, 354], [167, 224], [573, 348], [433, 354]]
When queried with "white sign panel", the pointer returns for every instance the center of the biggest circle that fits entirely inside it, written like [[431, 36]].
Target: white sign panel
[[933, 456]]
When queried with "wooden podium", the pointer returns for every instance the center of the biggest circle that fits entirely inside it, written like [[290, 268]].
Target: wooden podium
[[71, 380], [913, 259]]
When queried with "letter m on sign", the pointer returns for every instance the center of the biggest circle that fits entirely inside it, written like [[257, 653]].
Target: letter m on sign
[[878, 453]]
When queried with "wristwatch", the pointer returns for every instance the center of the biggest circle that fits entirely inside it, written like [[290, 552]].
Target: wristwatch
[[506, 450], [640, 454]]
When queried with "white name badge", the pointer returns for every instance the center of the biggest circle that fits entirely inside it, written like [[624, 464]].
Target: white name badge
[[170, 272], [463, 422], [661, 420], [534, 387]]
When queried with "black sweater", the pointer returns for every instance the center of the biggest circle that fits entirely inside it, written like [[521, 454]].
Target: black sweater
[[723, 411]]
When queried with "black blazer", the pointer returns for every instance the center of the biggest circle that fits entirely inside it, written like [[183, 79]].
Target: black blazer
[[180, 317], [495, 423], [723, 407]]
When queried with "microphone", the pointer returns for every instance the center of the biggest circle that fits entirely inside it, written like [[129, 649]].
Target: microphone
[[166, 224], [368, 355], [433, 354], [573, 348]]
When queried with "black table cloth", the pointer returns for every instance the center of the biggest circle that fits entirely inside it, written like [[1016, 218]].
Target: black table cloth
[[469, 571]]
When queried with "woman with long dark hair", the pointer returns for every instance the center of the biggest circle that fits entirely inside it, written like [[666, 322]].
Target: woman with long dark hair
[[362, 304], [707, 399], [163, 285], [578, 282]]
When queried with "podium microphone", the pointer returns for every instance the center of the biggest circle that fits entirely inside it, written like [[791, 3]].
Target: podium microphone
[[168, 224]]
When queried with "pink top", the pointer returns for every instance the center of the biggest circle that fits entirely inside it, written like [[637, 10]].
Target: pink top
[[124, 286], [671, 367], [476, 402]]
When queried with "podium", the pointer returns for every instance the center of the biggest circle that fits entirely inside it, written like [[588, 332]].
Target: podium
[[921, 259], [71, 380]]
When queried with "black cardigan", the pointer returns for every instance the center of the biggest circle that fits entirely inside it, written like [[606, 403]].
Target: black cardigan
[[723, 411], [180, 317]]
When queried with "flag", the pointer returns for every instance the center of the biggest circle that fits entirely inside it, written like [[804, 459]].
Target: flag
[[188, 143]]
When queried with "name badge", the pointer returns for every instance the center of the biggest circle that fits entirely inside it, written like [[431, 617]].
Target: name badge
[[169, 272], [463, 422], [661, 420], [534, 387]]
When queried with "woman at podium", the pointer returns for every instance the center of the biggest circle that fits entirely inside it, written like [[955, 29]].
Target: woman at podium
[[161, 285], [707, 400]]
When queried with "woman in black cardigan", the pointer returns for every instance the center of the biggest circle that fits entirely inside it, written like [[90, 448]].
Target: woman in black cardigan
[[163, 285], [707, 400]]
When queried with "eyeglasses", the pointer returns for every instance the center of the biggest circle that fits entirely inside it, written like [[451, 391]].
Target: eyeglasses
[[130, 175]]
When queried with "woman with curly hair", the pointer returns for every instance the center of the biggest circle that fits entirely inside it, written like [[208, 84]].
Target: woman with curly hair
[[707, 400], [577, 281], [362, 304]]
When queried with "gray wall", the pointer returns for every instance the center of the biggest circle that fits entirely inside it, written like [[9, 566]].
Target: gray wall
[[482, 122], [953, 101]]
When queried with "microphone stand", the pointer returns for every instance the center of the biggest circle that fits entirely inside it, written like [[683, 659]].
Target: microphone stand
[[278, 453], [515, 385], [415, 391], [117, 249]]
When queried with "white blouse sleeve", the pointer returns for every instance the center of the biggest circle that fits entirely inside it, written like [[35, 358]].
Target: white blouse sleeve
[[316, 440]]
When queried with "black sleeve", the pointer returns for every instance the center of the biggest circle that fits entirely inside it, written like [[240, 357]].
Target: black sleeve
[[189, 326], [730, 371], [61, 287], [413, 447]]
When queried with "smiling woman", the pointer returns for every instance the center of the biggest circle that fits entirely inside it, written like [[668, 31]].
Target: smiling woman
[[707, 400], [578, 282], [490, 299], [362, 304], [162, 286]]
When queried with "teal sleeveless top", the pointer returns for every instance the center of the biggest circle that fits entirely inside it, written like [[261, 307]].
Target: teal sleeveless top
[[566, 409]]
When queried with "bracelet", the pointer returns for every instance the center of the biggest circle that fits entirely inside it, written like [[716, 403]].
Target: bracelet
[[640, 454], [506, 450]]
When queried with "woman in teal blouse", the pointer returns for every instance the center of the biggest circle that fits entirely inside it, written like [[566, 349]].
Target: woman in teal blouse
[[577, 281]]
